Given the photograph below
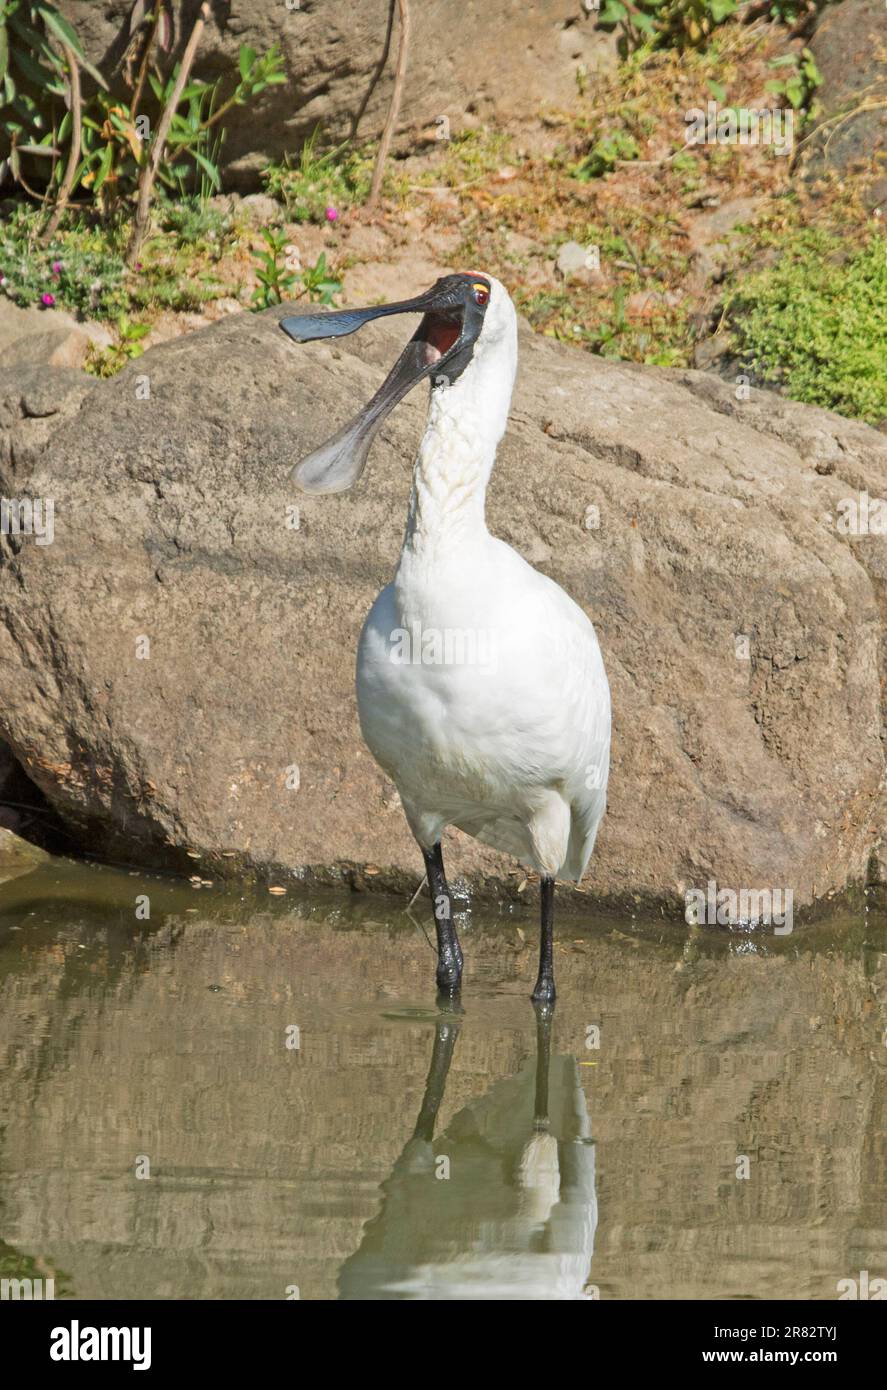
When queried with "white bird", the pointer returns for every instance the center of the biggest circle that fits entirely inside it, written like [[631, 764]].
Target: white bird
[[480, 684]]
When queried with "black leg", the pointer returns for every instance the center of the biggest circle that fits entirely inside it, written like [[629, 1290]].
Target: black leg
[[445, 1034], [449, 952], [544, 1014], [544, 992]]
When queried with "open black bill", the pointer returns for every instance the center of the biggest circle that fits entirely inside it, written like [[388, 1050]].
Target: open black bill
[[443, 342]]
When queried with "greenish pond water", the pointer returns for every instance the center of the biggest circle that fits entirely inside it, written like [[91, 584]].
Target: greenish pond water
[[248, 1096]]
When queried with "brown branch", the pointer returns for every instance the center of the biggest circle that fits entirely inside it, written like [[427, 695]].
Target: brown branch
[[20, 178], [150, 167], [67, 183], [394, 109], [31, 192], [220, 111]]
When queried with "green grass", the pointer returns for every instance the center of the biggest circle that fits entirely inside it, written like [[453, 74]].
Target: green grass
[[604, 328], [319, 180], [815, 322], [197, 224], [471, 154]]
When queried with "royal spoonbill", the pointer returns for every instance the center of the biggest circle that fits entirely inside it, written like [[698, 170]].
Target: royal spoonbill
[[480, 684]]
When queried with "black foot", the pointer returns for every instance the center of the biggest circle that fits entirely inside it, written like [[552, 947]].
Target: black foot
[[450, 1005]]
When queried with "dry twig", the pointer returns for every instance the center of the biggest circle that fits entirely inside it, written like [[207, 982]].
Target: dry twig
[[152, 163], [394, 109]]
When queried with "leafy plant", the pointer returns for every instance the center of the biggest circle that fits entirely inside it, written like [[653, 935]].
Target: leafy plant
[[319, 182], [605, 339], [197, 224], [82, 271], [661, 340], [815, 322], [665, 23], [276, 273], [798, 86], [684, 24], [171, 285], [40, 60], [194, 132], [82, 268], [55, 141], [789, 12], [281, 278], [472, 154], [105, 362], [320, 286], [602, 158], [111, 149]]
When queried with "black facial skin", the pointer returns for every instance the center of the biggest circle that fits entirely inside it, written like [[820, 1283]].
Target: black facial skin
[[453, 363]]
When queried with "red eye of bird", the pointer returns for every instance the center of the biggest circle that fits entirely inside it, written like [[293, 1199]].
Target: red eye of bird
[[480, 295]]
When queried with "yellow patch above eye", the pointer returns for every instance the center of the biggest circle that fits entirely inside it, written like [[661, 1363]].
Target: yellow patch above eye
[[485, 289]]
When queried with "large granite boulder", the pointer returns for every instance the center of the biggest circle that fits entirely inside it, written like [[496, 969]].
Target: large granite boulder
[[849, 138], [177, 666]]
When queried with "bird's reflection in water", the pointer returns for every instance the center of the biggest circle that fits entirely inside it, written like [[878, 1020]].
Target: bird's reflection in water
[[511, 1214]]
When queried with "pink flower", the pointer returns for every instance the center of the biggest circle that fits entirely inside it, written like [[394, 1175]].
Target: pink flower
[[48, 300], [56, 267], [332, 215]]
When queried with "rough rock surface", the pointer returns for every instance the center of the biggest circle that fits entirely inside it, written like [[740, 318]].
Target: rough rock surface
[[460, 65], [848, 46], [684, 520], [18, 856], [48, 336]]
